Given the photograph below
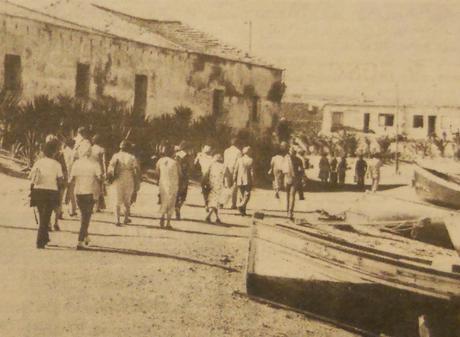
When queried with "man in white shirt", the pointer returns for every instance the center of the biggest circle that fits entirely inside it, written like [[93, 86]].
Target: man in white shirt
[[82, 139], [231, 156], [204, 160], [244, 178], [276, 169], [374, 171]]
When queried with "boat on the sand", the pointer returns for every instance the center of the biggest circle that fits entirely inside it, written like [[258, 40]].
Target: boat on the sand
[[357, 276], [437, 186]]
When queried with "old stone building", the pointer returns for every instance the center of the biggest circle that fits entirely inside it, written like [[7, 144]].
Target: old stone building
[[73, 48]]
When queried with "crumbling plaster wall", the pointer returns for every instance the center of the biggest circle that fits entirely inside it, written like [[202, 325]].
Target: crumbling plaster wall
[[49, 57]]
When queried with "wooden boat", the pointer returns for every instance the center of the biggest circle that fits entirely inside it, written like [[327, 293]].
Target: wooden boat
[[437, 187], [377, 282], [451, 222]]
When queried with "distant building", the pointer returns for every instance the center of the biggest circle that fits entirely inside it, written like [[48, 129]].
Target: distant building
[[302, 116], [72, 48], [416, 122]]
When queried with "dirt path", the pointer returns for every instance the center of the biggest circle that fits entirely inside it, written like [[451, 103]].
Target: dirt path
[[138, 280]]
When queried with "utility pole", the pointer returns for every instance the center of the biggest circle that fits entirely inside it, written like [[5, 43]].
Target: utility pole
[[397, 131], [249, 23]]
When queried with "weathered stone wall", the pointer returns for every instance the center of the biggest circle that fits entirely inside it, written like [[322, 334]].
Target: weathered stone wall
[[50, 53]]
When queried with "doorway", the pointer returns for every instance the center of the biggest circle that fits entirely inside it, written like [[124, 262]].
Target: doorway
[[367, 119], [140, 94], [431, 125]]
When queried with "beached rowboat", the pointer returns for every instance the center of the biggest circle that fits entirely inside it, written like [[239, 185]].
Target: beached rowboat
[[437, 187], [377, 282]]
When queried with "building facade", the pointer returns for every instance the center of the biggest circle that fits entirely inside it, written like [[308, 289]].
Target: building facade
[[417, 122], [153, 65], [303, 116]]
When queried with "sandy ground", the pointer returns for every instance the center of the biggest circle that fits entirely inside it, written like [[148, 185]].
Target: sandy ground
[[140, 280]]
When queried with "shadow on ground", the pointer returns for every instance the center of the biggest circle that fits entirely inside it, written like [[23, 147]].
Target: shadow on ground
[[133, 252]]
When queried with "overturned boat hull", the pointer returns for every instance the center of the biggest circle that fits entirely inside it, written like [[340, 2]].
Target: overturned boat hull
[[380, 292]]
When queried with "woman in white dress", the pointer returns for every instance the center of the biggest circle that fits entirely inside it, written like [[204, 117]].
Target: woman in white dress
[[215, 178], [168, 173], [124, 171]]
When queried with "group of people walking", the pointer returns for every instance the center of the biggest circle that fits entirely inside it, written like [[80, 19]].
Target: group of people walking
[[225, 179], [333, 171], [289, 164], [287, 168], [75, 172]]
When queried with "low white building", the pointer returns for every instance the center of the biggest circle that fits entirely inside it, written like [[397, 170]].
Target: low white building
[[416, 122]]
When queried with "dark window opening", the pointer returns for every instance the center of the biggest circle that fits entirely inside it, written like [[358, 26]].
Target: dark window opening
[[367, 120], [386, 119], [13, 72], [218, 102], [431, 125], [255, 109], [140, 94], [83, 80], [417, 121], [337, 119]]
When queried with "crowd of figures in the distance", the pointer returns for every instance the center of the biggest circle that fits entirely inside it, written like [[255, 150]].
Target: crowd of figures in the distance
[[75, 173]]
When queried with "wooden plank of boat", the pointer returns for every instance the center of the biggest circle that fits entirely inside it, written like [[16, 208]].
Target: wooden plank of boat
[[316, 271], [433, 188], [452, 224]]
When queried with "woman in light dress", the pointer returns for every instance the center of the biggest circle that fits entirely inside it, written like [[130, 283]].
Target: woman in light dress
[[86, 176], [215, 178], [168, 173], [124, 171], [69, 156], [98, 155]]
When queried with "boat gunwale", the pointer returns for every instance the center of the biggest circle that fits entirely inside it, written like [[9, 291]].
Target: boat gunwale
[[426, 172], [364, 274], [342, 246]]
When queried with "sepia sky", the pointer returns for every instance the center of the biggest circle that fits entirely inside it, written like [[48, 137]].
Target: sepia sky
[[332, 47]]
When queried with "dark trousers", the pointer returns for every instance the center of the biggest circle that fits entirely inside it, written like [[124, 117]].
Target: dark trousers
[[181, 195], [333, 178], [299, 188], [205, 190], [360, 181], [245, 195], [341, 178], [85, 203], [46, 201]]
